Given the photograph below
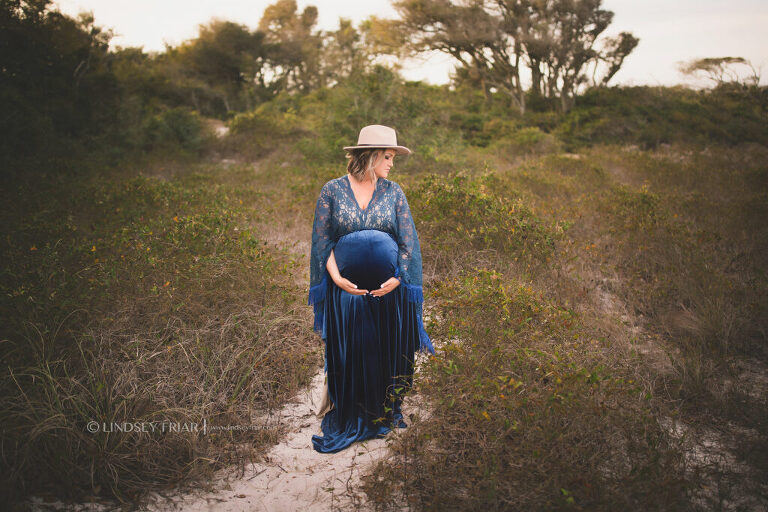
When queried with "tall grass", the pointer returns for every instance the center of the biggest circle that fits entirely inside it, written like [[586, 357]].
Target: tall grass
[[560, 373], [532, 409], [142, 300]]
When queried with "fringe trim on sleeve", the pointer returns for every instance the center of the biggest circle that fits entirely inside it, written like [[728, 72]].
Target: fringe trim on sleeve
[[316, 299]]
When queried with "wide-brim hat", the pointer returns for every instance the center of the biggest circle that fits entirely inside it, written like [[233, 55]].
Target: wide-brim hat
[[378, 136]]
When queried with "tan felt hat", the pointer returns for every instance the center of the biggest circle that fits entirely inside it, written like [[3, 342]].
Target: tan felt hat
[[378, 136]]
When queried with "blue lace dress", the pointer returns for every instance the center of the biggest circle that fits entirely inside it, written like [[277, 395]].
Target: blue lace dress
[[370, 342]]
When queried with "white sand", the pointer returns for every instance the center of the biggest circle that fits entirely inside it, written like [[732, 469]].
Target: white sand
[[294, 476]]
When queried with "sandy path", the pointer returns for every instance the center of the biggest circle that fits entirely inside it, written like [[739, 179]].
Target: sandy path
[[293, 476]]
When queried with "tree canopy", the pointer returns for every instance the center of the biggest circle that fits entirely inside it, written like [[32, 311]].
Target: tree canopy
[[545, 47]]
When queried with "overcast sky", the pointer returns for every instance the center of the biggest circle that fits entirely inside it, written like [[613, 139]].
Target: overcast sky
[[670, 31]]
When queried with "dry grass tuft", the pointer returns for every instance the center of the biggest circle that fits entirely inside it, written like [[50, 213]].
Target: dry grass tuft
[[144, 301]]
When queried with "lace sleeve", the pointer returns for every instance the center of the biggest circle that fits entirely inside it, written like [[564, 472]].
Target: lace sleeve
[[409, 252], [323, 241], [409, 262]]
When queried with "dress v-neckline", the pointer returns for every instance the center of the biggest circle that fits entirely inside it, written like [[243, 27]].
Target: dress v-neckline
[[352, 192]]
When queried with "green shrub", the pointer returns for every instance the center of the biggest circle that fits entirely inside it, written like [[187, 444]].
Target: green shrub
[[458, 213], [419, 113], [650, 116], [173, 128], [635, 210], [269, 118], [474, 127], [526, 141]]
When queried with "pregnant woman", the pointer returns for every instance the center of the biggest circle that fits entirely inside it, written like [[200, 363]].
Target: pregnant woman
[[365, 286]]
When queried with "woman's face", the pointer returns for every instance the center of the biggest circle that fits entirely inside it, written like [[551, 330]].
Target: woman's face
[[385, 164]]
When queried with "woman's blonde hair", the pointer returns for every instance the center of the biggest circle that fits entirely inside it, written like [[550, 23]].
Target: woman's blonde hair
[[362, 161]]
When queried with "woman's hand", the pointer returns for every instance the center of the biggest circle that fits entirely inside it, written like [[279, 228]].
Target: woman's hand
[[342, 282], [389, 285], [348, 286]]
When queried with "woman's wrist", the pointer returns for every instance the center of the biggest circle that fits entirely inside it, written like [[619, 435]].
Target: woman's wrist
[[336, 279]]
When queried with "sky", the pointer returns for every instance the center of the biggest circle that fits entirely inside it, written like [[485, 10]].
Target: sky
[[670, 31]]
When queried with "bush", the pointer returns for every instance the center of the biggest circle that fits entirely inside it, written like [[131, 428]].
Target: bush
[[457, 214], [175, 128], [256, 133], [650, 116], [526, 141]]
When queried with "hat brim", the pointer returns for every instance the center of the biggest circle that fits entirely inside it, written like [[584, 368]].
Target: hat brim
[[400, 150]]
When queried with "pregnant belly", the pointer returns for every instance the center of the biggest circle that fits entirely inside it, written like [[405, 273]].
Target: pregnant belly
[[367, 257]]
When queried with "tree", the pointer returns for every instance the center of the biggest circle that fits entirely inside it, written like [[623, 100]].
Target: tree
[[494, 41], [721, 70], [229, 59], [467, 32], [296, 47], [56, 81], [615, 50], [571, 29], [344, 53]]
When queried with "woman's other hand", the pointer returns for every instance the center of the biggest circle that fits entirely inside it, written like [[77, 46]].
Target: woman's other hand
[[389, 285]]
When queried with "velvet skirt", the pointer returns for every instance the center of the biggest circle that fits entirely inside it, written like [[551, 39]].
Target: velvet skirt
[[370, 344]]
